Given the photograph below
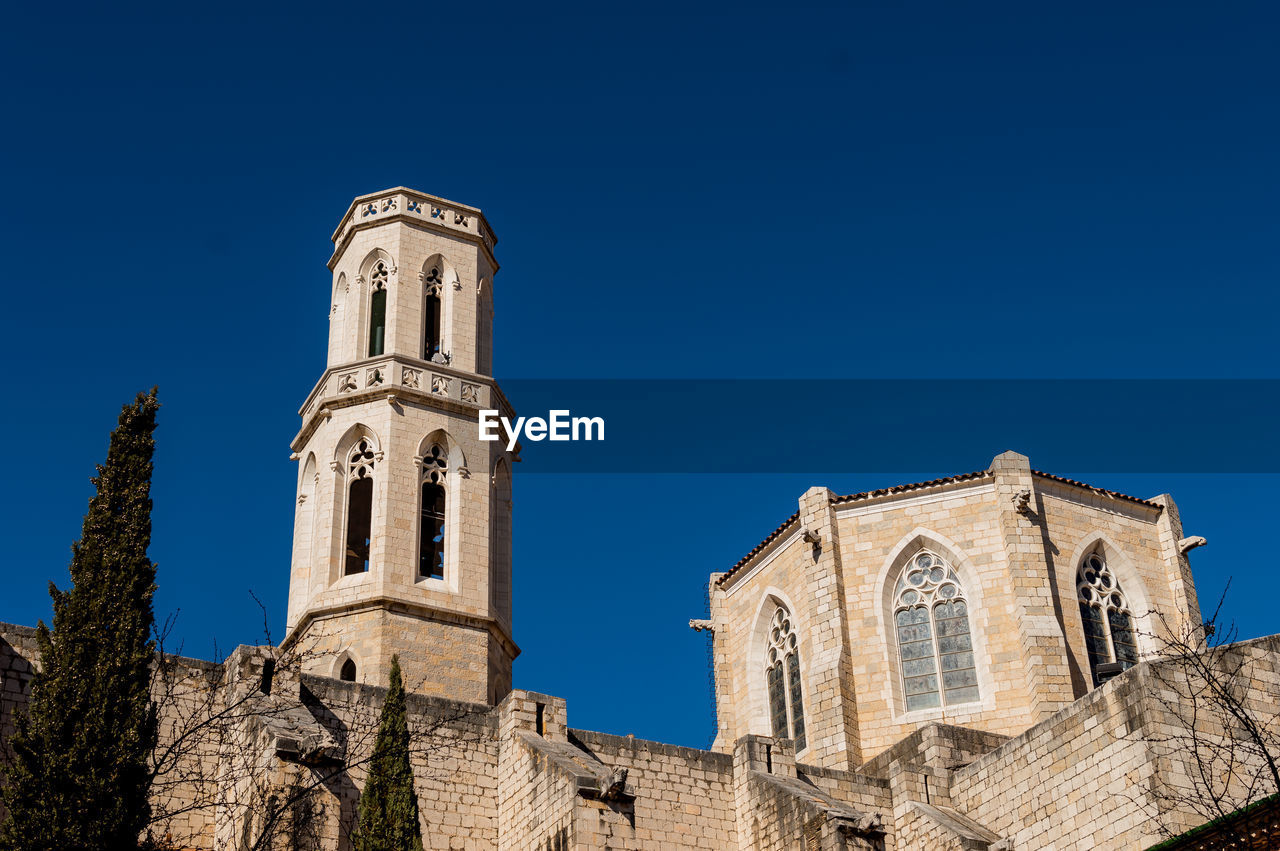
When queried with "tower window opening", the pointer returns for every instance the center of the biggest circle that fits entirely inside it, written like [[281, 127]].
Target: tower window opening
[[268, 676], [378, 309], [431, 524], [359, 508], [348, 672], [433, 287]]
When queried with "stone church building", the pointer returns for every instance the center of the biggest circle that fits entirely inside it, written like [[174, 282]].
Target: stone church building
[[963, 663]]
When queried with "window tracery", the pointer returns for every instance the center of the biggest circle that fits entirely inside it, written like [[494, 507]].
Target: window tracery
[[433, 288], [931, 619], [378, 308], [434, 280], [782, 680], [1107, 617]]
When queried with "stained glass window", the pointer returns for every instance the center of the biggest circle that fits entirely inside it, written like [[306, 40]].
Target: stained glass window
[[777, 701], [931, 620], [783, 678], [797, 699], [1108, 621]]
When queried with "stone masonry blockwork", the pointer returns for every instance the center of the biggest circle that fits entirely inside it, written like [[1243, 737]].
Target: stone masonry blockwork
[[862, 701]]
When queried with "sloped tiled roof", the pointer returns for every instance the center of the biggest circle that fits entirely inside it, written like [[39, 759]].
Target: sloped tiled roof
[[914, 486], [1103, 491], [769, 539]]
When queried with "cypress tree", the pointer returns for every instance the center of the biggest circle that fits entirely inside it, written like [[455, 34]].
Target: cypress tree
[[388, 807], [80, 775]]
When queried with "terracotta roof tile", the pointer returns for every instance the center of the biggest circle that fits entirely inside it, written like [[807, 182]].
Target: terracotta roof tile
[[946, 480], [772, 536], [896, 489], [843, 499], [1104, 491]]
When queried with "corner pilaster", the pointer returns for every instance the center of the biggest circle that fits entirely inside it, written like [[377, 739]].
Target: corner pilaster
[[1044, 647], [831, 703], [722, 670], [1174, 548]]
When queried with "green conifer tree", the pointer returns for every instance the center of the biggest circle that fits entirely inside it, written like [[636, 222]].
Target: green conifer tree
[[388, 806], [80, 775]]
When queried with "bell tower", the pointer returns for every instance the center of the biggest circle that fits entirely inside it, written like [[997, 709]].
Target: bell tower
[[402, 534]]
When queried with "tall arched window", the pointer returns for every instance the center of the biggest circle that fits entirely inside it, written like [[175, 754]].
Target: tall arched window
[[360, 464], [500, 539], [348, 672], [337, 311], [931, 616], [782, 678], [378, 308], [1108, 620], [304, 532], [431, 525], [433, 289], [484, 328]]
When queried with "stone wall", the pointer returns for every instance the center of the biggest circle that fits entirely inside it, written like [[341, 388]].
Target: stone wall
[[684, 796], [782, 805], [18, 657], [1110, 771], [1098, 773], [454, 753]]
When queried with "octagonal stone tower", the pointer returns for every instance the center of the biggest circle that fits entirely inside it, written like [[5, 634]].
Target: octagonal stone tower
[[402, 535]]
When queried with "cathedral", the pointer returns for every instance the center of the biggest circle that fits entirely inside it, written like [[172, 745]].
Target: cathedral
[[972, 662]]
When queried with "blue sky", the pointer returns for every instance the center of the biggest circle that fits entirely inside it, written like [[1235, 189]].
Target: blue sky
[[785, 191]]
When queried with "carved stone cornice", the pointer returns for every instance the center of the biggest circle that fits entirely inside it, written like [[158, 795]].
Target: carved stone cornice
[[399, 605], [418, 209]]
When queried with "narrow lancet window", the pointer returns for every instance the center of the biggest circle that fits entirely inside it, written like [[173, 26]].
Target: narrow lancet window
[[348, 672], [360, 464], [431, 525], [777, 701], [1108, 621], [782, 678], [378, 309], [431, 311], [931, 619], [797, 700]]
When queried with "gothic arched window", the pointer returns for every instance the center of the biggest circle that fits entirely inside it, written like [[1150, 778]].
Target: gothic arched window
[[348, 672], [431, 525], [378, 308], [1108, 620], [782, 677], [500, 539], [931, 617], [433, 289], [484, 328], [360, 464]]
